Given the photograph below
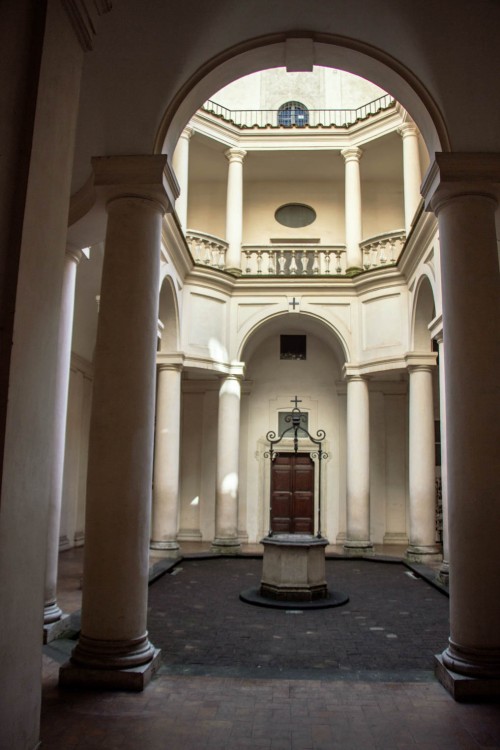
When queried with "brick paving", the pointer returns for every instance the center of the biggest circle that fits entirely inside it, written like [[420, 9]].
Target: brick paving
[[393, 621], [331, 680]]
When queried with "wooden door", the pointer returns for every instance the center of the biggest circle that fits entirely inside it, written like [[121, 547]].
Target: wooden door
[[292, 494]]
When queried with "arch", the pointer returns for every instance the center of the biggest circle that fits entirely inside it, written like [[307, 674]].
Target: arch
[[168, 314], [275, 323], [424, 311], [329, 50]]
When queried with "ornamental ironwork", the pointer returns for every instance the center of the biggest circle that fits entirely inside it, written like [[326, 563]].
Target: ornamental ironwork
[[297, 420]]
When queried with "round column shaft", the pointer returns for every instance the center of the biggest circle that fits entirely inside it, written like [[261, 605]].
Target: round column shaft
[[411, 172], [181, 169], [445, 565], [166, 460], [117, 531], [471, 323], [353, 216], [234, 208], [228, 439], [422, 480], [52, 611], [358, 466]]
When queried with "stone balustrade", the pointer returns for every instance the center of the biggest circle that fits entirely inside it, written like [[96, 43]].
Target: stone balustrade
[[296, 260], [292, 260], [383, 249], [207, 250]]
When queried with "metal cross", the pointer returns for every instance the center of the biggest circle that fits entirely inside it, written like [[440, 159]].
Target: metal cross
[[294, 303], [296, 401]]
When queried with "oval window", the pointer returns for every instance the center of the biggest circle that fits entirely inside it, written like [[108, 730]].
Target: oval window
[[295, 215]]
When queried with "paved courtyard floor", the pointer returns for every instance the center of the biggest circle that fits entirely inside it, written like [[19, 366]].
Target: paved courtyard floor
[[236, 676]]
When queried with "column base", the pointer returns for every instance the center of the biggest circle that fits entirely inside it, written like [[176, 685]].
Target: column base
[[422, 554], [443, 575], [165, 549], [395, 537], [132, 679], [464, 688], [54, 630], [52, 612], [226, 546], [357, 549]]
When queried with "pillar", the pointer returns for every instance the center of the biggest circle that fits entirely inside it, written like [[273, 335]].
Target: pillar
[[444, 570], [353, 218], [113, 648], [411, 171], [228, 439], [166, 460], [52, 612], [422, 473], [234, 209], [462, 189], [357, 540], [181, 169]]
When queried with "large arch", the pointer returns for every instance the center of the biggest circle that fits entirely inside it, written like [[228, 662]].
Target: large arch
[[424, 310], [300, 51], [282, 322]]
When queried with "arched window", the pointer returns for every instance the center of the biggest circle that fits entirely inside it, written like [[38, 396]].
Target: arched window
[[293, 113]]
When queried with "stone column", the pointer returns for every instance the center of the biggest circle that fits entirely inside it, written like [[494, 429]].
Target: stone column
[[357, 540], [234, 208], [113, 648], [166, 460], [437, 334], [52, 612], [422, 472], [181, 170], [462, 189], [228, 440], [411, 171], [353, 217]]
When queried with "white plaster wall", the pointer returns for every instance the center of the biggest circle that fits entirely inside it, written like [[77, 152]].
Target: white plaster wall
[[383, 207], [207, 207], [274, 383], [261, 199], [323, 88]]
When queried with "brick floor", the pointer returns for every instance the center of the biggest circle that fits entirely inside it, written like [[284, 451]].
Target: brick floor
[[364, 691]]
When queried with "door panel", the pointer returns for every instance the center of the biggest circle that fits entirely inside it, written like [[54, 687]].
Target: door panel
[[292, 494]]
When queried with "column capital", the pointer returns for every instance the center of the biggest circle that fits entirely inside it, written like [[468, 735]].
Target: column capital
[[187, 133], [352, 372], [423, 361], [148, 177], [236, 370], [352, 153], [455, 175], [235, 155], [73, 253], [170, 361], [408, 129]]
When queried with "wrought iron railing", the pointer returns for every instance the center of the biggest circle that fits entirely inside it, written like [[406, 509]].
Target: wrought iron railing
[[327, 118]]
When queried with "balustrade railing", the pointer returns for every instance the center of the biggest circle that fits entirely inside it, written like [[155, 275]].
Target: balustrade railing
[[207, 250], [268, 260], [383, 249], [274, 118], [296, 260]]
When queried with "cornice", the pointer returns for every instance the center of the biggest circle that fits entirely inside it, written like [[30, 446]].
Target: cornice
[[423, 233], [174, 246]]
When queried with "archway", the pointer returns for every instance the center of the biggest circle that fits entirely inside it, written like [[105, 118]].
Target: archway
[[299, 53]]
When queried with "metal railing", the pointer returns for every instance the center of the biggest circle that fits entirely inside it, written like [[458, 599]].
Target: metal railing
[[273, 118]]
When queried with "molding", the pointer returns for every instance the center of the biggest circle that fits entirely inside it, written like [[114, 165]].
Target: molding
[[174, 248], [84, 17], [453, 174], [142, 176]]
